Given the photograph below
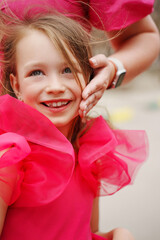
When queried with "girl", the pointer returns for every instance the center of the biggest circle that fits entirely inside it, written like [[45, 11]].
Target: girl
[[53, 165], [131, 31], [129, 21]]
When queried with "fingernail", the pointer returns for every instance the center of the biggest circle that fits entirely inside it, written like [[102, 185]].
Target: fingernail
[[93, 60]]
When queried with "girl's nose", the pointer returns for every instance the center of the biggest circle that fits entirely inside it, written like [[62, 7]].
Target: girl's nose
[[55, 85]]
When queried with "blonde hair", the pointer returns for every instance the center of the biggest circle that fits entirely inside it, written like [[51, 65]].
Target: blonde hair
[[61, 30]]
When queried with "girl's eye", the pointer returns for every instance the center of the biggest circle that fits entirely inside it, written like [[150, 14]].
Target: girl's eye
[[67, 70], [36, 73]]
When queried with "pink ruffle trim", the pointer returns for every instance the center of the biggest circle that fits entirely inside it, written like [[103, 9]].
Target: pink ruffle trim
[[111, 160], [44, 160]]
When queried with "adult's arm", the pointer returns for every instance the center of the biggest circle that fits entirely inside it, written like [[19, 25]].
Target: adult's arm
[[136, 46]]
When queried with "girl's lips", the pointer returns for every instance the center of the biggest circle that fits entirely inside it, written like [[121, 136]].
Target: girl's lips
[[57, 106]]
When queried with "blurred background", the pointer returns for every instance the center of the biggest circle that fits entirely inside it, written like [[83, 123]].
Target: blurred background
[[136, 106]]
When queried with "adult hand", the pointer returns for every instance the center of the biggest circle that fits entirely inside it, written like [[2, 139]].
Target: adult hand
[[104, 72]]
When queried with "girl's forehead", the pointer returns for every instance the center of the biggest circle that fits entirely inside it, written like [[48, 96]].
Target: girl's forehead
[[62, 45], [34, 41]]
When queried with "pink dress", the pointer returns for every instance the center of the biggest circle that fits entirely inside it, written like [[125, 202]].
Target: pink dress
[[103, 14], [54, 188]]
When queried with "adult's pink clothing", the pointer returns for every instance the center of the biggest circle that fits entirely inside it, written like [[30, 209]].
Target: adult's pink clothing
[[103, 14], [55, 188]]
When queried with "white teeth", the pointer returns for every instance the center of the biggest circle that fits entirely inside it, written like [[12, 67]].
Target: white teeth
[[57, 104], [54, 104]]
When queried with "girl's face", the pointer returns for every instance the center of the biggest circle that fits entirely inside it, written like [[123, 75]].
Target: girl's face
[[45, 81]]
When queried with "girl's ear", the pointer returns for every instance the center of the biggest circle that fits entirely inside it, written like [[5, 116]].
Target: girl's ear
[[14, 84]]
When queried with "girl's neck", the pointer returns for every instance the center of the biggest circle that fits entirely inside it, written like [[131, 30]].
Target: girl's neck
[[70, 131]]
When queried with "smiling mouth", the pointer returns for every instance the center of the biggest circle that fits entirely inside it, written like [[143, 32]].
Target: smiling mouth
[[57, 104]]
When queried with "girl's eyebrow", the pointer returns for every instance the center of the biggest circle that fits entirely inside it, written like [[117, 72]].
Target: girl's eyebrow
[[34, 64]]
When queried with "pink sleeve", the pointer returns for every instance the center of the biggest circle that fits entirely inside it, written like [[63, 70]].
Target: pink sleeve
[[103, 14], [117, 14], [20, 7]]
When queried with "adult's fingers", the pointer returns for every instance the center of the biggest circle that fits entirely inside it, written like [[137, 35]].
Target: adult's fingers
[[98, 61]]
